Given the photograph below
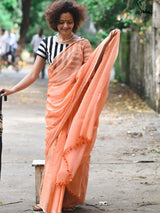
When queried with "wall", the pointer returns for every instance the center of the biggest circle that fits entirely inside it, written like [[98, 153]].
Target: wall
[[144, 65]]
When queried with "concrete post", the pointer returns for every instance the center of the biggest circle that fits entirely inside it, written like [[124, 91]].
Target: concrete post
[[156, 51]]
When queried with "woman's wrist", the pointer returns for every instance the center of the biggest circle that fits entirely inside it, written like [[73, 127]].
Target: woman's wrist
[[13, 90]]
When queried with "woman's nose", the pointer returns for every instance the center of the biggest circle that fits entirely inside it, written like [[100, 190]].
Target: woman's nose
[[65, 24]]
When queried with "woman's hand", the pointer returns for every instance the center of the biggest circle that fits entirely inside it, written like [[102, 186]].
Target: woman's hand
[[114, 32], [112, 35], [6, 92]]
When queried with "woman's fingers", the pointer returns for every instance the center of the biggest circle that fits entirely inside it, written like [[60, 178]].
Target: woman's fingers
[[2, 91], [5, 92]]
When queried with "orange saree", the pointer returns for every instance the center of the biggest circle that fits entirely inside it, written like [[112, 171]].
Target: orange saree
[[77, 92]]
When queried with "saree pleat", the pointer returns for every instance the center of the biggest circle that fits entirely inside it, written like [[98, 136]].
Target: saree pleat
[[77, 92]]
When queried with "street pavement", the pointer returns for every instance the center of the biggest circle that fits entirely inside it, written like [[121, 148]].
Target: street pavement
[[125, 162]]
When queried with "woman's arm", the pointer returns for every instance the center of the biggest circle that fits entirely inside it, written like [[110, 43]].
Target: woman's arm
[[28, 79]]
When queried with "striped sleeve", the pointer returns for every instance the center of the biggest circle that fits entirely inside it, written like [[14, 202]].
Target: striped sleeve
[[42, 49], [49, 48]]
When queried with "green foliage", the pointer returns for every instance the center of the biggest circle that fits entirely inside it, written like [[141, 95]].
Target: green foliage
[[125, 15], [9, 13], [104, 12], [5, 17], [119, 76], [10, 4], [110, 14], [123, 59]]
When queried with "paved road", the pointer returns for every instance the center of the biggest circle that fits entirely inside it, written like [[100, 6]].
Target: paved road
[[125, 163]]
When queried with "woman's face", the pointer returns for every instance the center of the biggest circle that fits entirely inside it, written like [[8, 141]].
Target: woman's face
[[65, 24]]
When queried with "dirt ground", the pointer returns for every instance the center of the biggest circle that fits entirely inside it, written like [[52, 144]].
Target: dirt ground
[[125, 162]]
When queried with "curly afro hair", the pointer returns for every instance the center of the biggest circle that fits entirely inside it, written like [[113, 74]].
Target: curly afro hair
[[56, 8]]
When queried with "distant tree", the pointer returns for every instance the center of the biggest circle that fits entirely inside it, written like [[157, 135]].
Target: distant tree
[[25, 21], [37, 17], [110, 14], [33, 19], [106, 15]]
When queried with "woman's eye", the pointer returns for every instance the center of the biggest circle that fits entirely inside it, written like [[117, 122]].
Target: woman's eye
[[63, 22]]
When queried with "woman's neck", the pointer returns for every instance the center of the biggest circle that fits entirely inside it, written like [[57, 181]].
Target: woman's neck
[[64, 39]]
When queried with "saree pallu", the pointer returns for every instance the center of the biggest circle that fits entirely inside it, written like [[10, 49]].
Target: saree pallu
[[77, 92]]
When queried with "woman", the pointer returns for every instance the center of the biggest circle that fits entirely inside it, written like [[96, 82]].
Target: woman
[[77, 91]]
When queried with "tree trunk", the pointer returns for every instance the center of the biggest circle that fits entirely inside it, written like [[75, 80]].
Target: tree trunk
[[25, 23]]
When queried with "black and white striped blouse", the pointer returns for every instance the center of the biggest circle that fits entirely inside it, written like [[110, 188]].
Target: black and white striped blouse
[[49, 48]]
